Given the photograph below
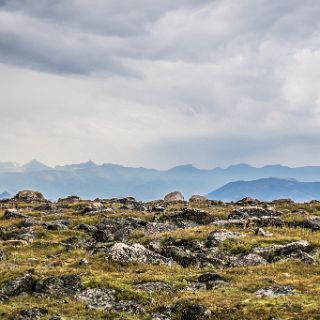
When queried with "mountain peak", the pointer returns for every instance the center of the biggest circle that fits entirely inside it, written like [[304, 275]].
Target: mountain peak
[[35, 165]]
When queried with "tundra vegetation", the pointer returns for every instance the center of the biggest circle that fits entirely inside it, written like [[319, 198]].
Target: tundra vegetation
[[160, 260]]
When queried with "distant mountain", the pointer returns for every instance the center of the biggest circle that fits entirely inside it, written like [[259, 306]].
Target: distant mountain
[[90, 180], [31, 166], [34, 166], [5, 195], [268, 189]]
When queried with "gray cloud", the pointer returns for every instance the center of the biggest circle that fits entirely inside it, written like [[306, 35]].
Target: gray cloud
[[160, 82]]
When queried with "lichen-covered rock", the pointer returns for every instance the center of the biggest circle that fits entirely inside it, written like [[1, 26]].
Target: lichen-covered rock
[[124, 253]]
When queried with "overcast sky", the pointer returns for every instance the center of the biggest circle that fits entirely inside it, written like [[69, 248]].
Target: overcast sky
[[160, 83]]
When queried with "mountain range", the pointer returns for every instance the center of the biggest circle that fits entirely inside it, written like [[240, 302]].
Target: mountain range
[[268, 189], [90, 180]]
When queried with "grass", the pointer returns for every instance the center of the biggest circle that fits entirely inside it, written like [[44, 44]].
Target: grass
[[235, 301]]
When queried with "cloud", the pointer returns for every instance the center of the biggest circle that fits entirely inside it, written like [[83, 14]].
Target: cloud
[[159, 83]]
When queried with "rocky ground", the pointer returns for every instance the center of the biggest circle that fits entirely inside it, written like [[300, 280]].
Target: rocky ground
[[166, 259]]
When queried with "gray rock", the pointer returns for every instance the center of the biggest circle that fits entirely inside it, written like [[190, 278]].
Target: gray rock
[[124, 253]]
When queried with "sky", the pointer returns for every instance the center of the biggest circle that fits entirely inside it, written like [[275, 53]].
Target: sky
[[160, 83]]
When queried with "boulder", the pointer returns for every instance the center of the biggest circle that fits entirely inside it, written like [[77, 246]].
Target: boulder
[[29, 196], [124, 253], [174, 196]]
